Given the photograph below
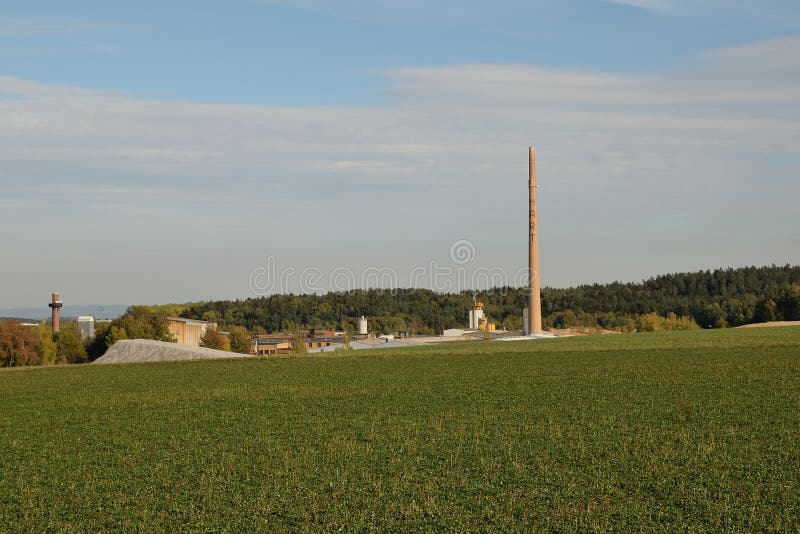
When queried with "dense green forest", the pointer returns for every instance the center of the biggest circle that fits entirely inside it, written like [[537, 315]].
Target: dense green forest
[[711, 299]]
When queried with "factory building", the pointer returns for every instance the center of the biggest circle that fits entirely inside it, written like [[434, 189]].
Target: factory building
[[86, 326], [271, 344], [314, 340], [322, 342], [272, 348], [475, 316], [188, 331]]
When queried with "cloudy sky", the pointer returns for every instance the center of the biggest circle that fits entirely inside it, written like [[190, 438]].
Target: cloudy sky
[[157, 151]]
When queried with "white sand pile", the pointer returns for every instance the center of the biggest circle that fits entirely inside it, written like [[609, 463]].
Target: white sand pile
[[146, 350], [771, 323]]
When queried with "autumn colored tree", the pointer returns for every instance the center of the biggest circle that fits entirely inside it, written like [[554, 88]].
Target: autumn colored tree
[[650, 322], [138, 322], [240, 340], [69, 347], [214, 339], [142, 322], [19, 345], [48, 353], [674, 322]]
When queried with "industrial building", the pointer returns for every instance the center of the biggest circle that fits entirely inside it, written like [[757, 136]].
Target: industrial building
[[321, 342], [267, 345], [188, 331], [86, 326], [272, 344], [273, 348], [361, 344], [475, 316], [478, 320]]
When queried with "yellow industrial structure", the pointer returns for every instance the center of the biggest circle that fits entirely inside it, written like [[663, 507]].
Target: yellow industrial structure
[[188, 331], [477, 319]]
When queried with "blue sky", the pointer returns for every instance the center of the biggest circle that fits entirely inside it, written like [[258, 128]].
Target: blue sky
[[176, 145], [311, 52]]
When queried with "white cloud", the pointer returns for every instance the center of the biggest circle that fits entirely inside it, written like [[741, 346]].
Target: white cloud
[[48, 26], [36, 36], [390, 12], [780, 55], [625, 161], [661, 6], [689, 7]]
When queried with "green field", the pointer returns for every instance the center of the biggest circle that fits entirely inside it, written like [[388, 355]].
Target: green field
[[684, 430]]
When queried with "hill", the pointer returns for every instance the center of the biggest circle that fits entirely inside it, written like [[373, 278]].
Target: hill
[[69, 310], [711, 299], [18, 319]]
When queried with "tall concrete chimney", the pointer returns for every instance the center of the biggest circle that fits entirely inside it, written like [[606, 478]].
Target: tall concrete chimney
[[55, 305], [534, 295]]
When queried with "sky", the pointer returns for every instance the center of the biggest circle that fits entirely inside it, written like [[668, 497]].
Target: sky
[[155, 152]]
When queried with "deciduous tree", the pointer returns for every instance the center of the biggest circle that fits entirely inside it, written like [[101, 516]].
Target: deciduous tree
[[48, 353], [240, 340], [19, 345], [69, 347], [214, 339], [300, 346]]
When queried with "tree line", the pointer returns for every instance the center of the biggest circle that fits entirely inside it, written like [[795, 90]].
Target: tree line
[[24, 345], [708, 299]]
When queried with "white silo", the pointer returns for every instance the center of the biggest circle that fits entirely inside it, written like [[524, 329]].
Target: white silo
[[86, 326], [362, 326], [475, 316]]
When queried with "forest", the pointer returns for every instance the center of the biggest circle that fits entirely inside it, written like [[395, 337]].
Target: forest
[[708, 299]]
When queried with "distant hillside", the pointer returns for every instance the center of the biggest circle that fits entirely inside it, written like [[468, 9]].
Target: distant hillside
[[69, 310], [712, 299], [17, 319]]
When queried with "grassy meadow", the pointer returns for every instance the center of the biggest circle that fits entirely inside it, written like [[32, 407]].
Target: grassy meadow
[[683, 430]]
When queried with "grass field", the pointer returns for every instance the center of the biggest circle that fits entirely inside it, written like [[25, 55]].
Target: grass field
[[685, 430]]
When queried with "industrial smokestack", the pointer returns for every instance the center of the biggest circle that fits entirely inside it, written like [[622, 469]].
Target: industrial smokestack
[[55, 305], [534, 295]]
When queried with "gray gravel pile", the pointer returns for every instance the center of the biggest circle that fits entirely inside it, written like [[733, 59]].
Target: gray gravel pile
[[146, 350]]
